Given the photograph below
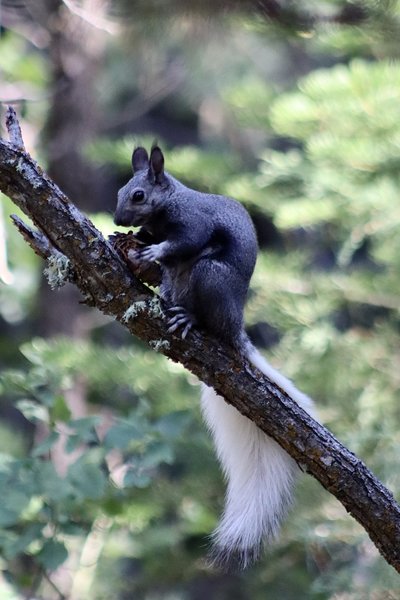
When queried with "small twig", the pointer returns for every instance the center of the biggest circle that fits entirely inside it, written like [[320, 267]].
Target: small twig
[[14, 129], [37, 241], [59, 269], [54, 586]]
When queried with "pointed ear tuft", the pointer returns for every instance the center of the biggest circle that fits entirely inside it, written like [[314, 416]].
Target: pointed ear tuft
[[140, 159], [157, 164]]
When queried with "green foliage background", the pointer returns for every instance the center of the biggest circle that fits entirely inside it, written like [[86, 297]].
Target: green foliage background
[[314, 154]]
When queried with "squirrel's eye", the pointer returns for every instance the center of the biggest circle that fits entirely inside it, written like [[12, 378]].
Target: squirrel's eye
[[138, 195]]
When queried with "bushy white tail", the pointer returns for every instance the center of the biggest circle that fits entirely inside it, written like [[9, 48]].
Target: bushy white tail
[[260, 474]]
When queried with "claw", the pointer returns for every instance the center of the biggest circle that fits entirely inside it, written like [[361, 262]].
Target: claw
[[177, 309], [186, 330], [172, 328], [181, 319]]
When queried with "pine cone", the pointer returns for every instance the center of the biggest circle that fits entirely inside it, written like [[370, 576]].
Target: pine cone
[[149, 273]]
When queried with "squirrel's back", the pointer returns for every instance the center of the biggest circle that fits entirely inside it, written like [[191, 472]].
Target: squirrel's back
[[231, 232]]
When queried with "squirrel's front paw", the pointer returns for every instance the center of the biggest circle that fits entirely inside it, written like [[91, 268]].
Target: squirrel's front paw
[[181, 318], [151, 253]]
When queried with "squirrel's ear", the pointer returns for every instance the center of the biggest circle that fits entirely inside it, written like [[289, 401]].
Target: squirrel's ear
[[140, 159], [157, 164]]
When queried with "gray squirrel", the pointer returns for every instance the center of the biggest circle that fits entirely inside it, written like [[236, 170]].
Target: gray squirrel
[[207, 247]]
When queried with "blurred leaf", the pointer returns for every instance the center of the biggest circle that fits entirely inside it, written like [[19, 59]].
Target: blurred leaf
[[49, 484], [122, 434], [137, 479], [155, 453], [87, 479], [19, 543], [46, 444], [52, 555], [173, 424], [60, 411], [14, 501], [33, 411], [83, 431]]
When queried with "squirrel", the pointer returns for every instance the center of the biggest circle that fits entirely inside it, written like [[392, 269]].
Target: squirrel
[[206, 245]]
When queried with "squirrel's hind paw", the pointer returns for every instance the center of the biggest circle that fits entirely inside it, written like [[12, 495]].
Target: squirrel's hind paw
[[181, 318]]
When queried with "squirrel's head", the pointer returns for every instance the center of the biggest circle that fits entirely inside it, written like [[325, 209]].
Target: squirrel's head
[[144, 195]]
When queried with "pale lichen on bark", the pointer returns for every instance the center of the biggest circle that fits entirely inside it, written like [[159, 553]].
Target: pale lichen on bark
[[58, 270]]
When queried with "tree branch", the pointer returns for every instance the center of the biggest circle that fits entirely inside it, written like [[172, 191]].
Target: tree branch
[[107, 283]]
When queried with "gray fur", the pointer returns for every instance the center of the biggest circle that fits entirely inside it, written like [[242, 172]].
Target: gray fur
[[205, 243]]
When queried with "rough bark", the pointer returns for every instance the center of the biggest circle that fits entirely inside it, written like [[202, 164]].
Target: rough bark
[[107, 283]]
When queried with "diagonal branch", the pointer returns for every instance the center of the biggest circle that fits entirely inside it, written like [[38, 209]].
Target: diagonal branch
[[106, 282]]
